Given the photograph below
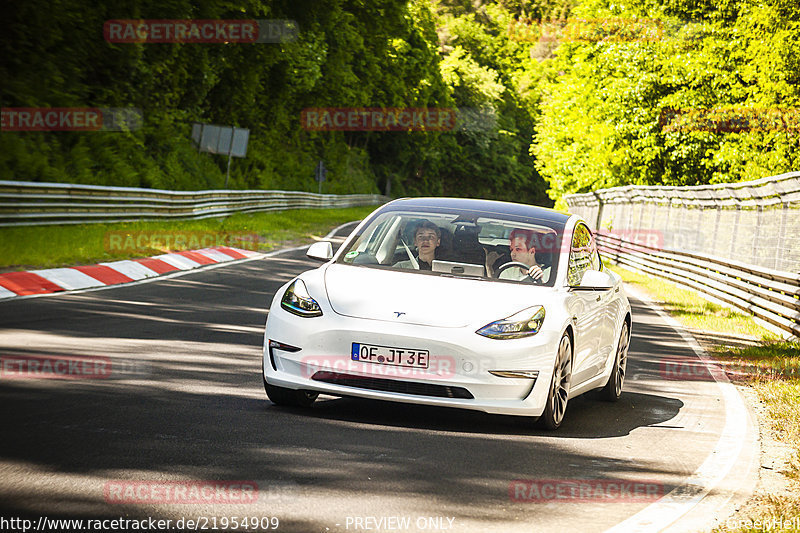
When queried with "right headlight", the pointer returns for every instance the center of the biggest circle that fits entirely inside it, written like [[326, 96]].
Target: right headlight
[[523, 324], [297, 301]]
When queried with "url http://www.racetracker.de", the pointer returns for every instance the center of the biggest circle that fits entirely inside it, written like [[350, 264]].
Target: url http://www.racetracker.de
[[228, 523]]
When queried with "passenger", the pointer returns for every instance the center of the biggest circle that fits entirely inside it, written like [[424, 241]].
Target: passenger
[[521, 243], [427, 238]]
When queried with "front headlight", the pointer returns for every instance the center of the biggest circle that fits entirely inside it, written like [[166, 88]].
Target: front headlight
[[523, 324], [297, 301]]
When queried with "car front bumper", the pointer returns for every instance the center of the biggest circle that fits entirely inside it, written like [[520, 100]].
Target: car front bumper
[[315, 354]]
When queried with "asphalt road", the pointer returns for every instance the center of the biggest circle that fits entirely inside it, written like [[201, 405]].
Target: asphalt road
[[184, 402]]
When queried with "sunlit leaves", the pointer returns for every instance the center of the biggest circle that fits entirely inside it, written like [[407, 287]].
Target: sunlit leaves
[[603, 118]]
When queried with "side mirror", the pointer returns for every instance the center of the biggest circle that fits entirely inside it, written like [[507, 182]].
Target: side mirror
[[322, 251], [596, 280]]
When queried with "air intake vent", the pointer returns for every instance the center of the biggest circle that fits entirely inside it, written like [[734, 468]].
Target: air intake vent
[[390, 385]]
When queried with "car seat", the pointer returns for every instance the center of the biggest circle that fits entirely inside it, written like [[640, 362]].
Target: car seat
[[466, 248]]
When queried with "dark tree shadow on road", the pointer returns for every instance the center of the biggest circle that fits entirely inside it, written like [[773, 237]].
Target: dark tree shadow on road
[[199, 412]]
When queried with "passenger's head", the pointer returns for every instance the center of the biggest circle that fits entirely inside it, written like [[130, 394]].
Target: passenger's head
[[427, 237], [521, 242]]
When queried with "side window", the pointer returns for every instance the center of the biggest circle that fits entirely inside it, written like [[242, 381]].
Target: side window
[[583, 255]]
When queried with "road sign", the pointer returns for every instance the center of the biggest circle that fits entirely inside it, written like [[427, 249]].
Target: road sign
[[321, 172], [225, 140]]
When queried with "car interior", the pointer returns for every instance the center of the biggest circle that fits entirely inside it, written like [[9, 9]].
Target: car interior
[[468, 244], [462, 247]]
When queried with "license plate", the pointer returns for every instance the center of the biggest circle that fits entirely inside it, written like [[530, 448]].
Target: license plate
[[389, 355]]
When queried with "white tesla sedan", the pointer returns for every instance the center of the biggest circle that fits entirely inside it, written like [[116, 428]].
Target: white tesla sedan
[[476, 304]]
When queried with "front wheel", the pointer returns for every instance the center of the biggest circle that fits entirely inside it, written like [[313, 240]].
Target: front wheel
[[557, 398], [289, 397], [613, 389]]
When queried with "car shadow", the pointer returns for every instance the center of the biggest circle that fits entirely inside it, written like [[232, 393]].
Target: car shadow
[[587, 417]]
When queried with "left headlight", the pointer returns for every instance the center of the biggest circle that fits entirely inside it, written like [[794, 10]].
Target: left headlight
[[297, 301], [523, 324]]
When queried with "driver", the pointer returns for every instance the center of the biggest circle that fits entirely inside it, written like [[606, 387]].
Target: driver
[[521, 243]]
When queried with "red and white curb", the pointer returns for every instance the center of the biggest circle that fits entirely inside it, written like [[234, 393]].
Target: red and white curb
[[51, 280], [134, 271]]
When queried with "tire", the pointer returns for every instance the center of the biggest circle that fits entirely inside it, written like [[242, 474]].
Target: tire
[[613, 389], [558, 396], [289, 397]]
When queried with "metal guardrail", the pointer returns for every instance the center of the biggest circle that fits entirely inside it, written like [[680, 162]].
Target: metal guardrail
[[30, 203], [736, 243], [754, 221], [771, 295]]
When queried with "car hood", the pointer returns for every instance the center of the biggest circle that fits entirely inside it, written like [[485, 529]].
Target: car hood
[[413, 298]]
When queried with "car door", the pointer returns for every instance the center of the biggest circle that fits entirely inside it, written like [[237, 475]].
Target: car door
[[612, 312], [587, 307]]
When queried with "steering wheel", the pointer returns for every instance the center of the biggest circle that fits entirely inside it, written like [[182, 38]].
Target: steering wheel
[[523, 266]]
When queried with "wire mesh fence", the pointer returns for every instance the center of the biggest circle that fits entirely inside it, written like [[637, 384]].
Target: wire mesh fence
[[738, 243], [756, 222]]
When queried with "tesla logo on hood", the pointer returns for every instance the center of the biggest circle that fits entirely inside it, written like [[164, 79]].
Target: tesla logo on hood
[[398, 314]]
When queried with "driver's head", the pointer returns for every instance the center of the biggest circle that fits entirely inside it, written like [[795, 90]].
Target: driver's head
[[522, 248]]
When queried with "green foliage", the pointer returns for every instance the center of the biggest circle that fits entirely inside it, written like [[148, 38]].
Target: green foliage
[[602, 104], [492, 76], [606, 115], [348, 53]]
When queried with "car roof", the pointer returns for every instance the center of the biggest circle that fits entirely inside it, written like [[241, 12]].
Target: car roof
[[488, 206]]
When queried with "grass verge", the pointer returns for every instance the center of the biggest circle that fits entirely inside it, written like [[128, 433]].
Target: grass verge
[[23, 248], [753, 357]]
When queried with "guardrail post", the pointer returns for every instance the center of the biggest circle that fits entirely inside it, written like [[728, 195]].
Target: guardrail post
[[600, 206], [759, 213], [781, 236], [732, 250], [714, 237], [629, 222], [641, 216]]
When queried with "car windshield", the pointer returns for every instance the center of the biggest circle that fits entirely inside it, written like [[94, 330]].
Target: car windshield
[[454, 242]]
